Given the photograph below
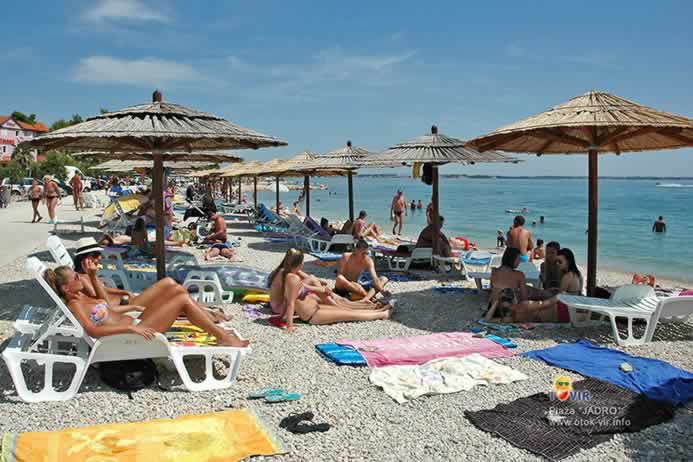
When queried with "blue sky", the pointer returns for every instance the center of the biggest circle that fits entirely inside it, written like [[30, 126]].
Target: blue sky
[[319, 73]]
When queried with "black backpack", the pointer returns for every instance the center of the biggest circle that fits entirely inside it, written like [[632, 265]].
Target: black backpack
[[129, 376]]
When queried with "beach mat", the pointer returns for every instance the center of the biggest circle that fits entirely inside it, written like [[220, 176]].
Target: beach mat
[[558, 429], [420, 349], [653, 378], [340, 354], [327, 256], [227, 436], [455, 290], [231, 276]]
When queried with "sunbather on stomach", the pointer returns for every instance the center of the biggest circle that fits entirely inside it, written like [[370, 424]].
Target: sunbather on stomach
[[289, 295], [100, 319]]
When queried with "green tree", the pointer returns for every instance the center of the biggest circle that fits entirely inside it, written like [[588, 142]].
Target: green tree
[[21, 117], [24, 160], [62, 123]]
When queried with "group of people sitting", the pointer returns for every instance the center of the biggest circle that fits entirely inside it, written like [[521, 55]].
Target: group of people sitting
[[293, 293], [512, 300]]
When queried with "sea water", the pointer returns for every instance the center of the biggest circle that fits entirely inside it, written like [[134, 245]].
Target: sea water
[[476, 208]]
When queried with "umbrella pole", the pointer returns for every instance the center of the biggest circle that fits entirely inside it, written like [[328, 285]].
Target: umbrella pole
[[436, 214], [277, 192], [593, 204], [306, 186], [239, 190], [350, 183], [255, 191], [158, 192]]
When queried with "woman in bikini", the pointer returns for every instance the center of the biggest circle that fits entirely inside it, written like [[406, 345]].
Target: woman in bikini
[[509, 301], [99, 318], [51, 194], [90, 255], [289, 294], [35, 194]]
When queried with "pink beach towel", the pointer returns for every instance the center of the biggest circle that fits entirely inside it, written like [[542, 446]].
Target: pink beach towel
[[423, 348]]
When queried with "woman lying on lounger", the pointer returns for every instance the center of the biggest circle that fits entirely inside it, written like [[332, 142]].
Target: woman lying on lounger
[[99, 318], [509, 301], [89, 255], [289, 294]]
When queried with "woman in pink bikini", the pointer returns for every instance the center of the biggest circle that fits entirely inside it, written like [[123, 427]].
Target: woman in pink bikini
[[291, 291], [99, 318]]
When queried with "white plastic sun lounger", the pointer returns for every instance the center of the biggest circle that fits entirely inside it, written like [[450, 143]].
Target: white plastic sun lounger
[[418, 255], [650, 309], [62, 340], [318, 245]]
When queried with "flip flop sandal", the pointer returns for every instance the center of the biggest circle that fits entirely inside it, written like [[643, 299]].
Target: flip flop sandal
[[282, 397], [293, 418], [308, 428], [265, 392]]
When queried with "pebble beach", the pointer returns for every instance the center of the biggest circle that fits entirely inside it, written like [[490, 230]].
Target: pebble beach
[[367, 425]]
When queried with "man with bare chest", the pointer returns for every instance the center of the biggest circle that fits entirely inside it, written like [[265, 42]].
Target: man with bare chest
[[351, 266], [521, 239], [398, 208]]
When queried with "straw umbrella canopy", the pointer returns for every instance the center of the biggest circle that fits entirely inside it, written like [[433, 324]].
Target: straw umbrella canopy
[[305, 165], [348, 158], [156, 128], [436, 149], [131, 165], [239, 172], [594, 123]]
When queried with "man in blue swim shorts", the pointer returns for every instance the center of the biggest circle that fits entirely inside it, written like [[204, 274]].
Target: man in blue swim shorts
[[521, 239]]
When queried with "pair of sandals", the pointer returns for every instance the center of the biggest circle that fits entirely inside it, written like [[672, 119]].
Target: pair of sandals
[[296, 423]]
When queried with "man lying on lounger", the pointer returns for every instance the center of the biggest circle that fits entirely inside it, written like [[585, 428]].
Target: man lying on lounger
[[351, 266]]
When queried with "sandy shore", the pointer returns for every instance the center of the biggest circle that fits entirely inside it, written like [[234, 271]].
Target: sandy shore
[[367, 424]]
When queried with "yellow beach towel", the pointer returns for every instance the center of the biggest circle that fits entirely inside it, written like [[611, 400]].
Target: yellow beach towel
[[227, 436]]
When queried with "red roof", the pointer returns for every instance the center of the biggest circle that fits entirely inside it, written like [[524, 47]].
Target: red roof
[[37, 127]]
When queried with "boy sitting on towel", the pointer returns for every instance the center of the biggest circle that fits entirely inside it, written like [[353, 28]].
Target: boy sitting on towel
[[351, 266]]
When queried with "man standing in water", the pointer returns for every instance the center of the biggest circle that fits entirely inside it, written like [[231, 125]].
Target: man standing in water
[[397, 209], [521, 239], [659, 226]]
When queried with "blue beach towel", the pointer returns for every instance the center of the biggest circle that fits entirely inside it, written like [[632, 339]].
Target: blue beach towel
[[341, 355], [653, 378]]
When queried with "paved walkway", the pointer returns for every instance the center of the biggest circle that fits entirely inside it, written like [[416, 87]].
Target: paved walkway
[[19, 237]]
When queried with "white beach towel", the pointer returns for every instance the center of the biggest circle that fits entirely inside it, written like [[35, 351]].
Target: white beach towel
[[440, 376]]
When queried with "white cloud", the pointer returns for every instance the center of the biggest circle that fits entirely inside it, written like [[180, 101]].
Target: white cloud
[[145, 71], [128, 10]]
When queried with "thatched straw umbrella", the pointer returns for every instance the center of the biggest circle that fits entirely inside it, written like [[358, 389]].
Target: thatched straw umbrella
[[306, 164], [241, 171], [348, 158], [436, 149], [156, 128], [594, 123], [119, 166]]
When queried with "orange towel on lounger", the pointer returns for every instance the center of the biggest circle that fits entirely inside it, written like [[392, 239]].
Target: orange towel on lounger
[[227, 436]]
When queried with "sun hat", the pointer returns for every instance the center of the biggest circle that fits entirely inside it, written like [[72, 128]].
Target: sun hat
[[87, 245]]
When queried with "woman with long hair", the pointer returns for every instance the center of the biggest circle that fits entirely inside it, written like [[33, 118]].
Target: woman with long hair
[[100, 318], [509, 301], [289, 294]]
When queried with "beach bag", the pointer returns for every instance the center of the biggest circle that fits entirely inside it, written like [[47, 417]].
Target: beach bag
[[427, 175], [129, 376]]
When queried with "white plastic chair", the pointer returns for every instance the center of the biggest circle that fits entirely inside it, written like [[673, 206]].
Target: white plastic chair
[[651, 310], [59, 252], [418, 255], [317, 245], [62, 340], [208, 285]]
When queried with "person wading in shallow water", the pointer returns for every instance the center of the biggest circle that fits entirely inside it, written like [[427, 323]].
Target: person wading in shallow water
[[659, 226]]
